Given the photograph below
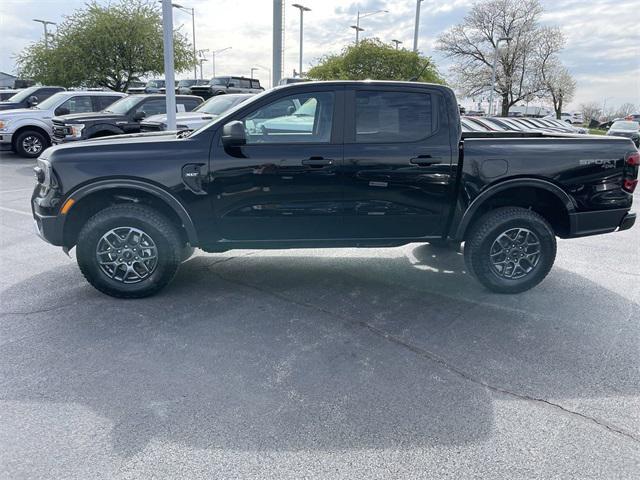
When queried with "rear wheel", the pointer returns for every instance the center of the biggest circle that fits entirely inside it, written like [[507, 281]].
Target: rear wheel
[[129, 251], [30, 143], [510, 250]]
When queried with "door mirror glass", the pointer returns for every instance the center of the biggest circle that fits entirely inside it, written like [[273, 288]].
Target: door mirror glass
[[139, 115], [33, 101], [62, 111], [233, 134]]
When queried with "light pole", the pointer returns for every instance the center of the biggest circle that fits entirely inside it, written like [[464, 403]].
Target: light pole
[[363, 15], [169, 74], [417, 26], [493, 75], [46, 33], [253, 69], [203, 58], [213, 58], [302, 9], [192, 12], [397, 42]]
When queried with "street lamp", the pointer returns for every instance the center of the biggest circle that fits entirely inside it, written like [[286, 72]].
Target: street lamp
[[493, 75], [417, 26], [213, 58], [202, 58], [397, 42], [192, 12], [167, 46], [302, 9], [46, 33], [363, 15], [252, 70]]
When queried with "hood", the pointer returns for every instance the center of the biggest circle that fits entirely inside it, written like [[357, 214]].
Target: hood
[[10, 105], [162, 118], [104, 144], [90, 117], [22, 112]]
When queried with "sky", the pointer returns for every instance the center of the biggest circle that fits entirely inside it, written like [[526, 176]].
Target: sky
[[602, 49]]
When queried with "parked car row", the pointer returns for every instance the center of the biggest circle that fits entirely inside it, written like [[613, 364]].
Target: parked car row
[[518, 124], [37, 117], [203, 88]]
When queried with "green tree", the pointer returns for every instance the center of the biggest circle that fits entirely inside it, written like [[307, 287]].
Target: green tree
[[104, 46], [375, 60]]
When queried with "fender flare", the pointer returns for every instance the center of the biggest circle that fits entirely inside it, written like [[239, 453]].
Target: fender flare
[[477, 202], [160, 193]]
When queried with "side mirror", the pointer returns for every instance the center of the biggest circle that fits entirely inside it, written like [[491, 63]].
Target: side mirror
[[33, 101], [233, 134], [62, 111], [139, 116], [291, 109]]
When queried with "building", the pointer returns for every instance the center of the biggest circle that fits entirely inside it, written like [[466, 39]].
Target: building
[[6, 80]]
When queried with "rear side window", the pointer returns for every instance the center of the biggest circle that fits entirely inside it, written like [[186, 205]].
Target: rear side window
[[391, 117], [255, 84], [245, 83]]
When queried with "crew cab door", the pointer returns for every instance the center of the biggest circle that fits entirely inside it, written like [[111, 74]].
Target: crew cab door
[[397, 162], [283, 184]]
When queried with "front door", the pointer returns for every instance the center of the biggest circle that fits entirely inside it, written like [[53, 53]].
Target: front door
[[397, 162], [283, 184]]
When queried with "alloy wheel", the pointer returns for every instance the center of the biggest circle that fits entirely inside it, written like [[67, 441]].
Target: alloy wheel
[[127, 254], [515, 253]]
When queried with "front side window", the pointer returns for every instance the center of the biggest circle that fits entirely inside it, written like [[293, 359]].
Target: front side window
[[78, 105], [303, 118], [391, 117], [152, 107]]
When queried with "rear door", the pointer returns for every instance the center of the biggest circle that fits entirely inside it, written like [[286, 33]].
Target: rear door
[[397, 162]]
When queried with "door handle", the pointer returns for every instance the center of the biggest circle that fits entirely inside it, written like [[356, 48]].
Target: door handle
[[316, 162], [425, 160]]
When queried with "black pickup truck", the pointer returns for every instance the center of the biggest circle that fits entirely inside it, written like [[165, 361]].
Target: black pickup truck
[[123, 116], [331, 164]]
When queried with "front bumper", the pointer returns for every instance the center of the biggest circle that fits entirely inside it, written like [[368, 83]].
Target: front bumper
[[583, 224], [6, 141], [49, 228]]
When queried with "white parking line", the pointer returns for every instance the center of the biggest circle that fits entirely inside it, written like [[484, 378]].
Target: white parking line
[[13, 210]]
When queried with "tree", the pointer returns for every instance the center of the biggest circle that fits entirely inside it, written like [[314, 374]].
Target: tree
[[591, 111], [559, 85], [473, 45], [375, 60], [625, 109], [104, 46]]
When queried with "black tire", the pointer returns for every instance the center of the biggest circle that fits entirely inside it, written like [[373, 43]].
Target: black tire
[[139, 218], [488, 235], [186, 253], [31, 143]]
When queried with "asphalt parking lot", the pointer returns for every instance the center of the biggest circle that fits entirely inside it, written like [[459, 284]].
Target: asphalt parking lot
[[328, 364]]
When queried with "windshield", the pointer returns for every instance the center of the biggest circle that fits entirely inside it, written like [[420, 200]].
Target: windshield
[[219, 105], [51, 102], [631, 126], [123, 105], [23, 94], [219, 81], [155, 83]]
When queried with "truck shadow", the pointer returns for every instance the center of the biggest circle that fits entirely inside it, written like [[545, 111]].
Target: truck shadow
[[276, 351]]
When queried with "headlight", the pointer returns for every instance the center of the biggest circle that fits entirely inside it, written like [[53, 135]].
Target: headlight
[[182, 127], [44, 174], [76, 130], [4, 123]]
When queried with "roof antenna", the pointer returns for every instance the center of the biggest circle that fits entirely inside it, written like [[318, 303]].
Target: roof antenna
[[415, 79]]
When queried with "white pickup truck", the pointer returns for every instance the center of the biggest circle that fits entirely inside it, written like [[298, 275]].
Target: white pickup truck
[[27, 131]]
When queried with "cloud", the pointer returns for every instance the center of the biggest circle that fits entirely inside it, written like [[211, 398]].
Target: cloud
[[602, 51]]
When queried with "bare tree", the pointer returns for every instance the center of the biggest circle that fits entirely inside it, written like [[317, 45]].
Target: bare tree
[[625, 109], [591, 111], [559, 85], [473, 45]]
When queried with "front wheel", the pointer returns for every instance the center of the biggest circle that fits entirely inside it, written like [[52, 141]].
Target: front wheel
[[129, 251], [510, 250], [30, 143]]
